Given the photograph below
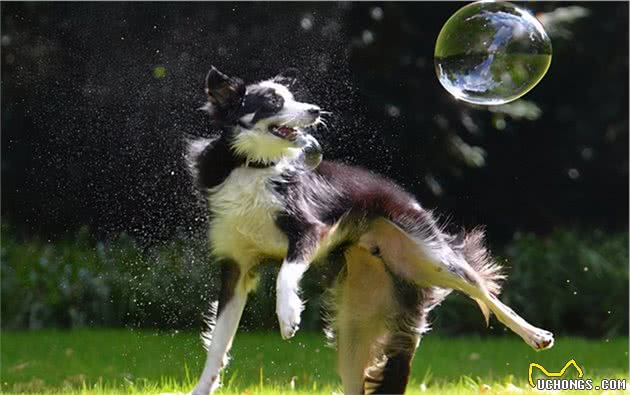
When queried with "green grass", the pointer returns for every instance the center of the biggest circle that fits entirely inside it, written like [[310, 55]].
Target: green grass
[[142, 362]]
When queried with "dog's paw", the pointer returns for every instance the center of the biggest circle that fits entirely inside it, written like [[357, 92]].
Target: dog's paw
[[289, 309], [207, 385], [541, 340]]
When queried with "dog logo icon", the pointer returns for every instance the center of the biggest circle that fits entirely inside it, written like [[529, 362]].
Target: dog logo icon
[[553, 374]]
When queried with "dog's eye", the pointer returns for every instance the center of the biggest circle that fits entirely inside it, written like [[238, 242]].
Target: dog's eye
[[273, 101], [263, 104]]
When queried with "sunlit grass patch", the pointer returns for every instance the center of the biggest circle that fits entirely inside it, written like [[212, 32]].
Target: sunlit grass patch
[[142, 362]]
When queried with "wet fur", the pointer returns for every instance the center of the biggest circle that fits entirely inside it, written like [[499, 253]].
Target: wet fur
[[346, 220]]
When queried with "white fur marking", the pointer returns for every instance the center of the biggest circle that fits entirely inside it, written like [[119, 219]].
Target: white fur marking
[[222, 336], [258, 143], [261, 145], [289, 306], [243, 208], [248, 118]]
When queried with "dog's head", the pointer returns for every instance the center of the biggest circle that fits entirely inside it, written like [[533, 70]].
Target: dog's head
[[265, 121]]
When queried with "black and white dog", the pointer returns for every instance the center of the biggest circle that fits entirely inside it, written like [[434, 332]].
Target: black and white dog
[[271, 198]]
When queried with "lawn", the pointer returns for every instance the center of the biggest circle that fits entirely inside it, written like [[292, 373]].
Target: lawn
[[143, 362]]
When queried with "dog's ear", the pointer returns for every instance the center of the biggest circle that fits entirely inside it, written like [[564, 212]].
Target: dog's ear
[[287, 78], [224, 92]]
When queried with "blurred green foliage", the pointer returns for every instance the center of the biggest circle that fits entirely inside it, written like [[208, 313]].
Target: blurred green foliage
[[568, 281], [79, 282]]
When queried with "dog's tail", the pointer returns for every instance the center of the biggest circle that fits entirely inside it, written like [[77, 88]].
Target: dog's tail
[[471, 247]]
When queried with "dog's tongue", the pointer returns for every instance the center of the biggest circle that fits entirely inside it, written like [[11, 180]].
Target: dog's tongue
[[286, 131]]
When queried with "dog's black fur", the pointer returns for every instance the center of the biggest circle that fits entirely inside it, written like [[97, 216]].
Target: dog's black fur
[[262, 195]]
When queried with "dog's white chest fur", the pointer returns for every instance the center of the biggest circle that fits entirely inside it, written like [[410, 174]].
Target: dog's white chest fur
[[243, 209]]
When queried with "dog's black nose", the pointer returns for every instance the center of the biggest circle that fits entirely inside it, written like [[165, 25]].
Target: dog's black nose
[[313, 111]]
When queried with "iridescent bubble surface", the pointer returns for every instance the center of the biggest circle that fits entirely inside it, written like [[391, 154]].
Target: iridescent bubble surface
[[491, 53]]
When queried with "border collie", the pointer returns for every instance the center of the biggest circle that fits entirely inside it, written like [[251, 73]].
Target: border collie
[[270, 197]]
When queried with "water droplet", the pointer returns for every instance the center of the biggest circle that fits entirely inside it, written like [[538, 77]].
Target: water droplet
[[376, 13], [491, 53], [367, 37], [574, 174], [393, 111], [306, 23]]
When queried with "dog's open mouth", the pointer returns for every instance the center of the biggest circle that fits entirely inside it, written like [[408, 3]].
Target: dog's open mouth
[[284, 132]]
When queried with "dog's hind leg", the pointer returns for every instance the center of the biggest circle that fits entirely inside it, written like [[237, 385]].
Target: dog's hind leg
[[235, 285], [364, 296], [429, 260], [390, 375]]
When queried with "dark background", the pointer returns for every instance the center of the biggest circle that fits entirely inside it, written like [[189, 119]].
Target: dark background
[[98, 97], [91, 136]]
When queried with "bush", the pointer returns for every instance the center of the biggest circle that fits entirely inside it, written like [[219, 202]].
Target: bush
[[569, 282], [576, 282], [80, 282]]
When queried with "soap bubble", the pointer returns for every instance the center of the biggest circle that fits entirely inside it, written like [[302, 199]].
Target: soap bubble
[[491, 53]]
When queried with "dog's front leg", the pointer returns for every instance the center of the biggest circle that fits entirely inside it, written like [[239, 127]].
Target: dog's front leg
[[289, 306], [303, 239]]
